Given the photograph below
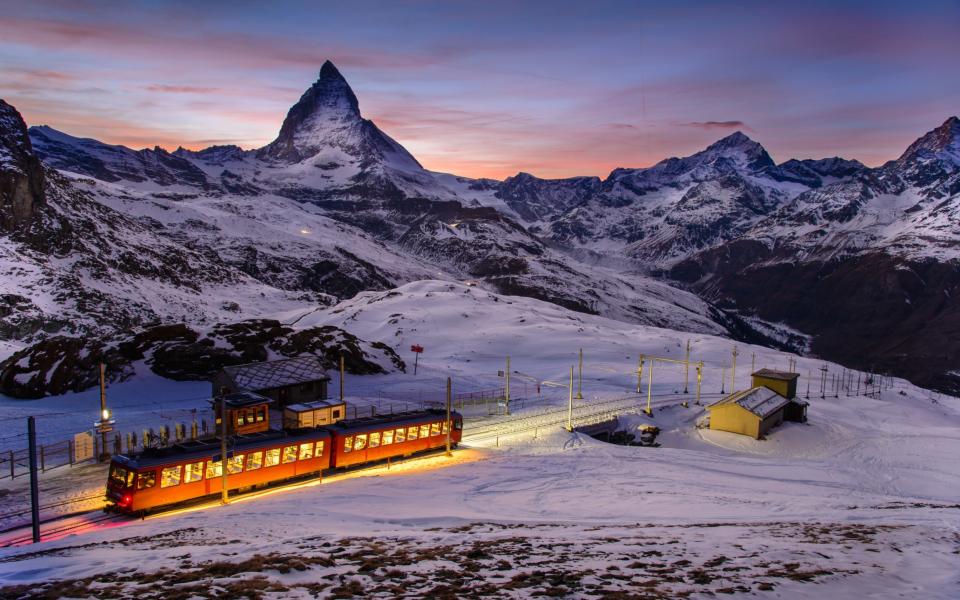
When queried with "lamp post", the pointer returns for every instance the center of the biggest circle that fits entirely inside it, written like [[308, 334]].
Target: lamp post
[[105, 424]]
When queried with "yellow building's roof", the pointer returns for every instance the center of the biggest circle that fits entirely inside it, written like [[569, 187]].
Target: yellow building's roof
[[771, 374], [761, 401]]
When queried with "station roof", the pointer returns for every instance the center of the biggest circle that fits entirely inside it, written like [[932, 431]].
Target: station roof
[[760, 401], [241, 400], [771, 374], [314, 405], [277, 373]]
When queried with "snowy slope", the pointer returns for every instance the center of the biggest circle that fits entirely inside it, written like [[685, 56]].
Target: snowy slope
[[858, 501]]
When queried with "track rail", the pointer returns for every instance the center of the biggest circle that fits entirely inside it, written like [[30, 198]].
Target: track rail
[[583, 414]]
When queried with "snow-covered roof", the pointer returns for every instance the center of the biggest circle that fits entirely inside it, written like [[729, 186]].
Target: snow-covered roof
[[308, 406], [760, 401], [771, 374], [277, 373]]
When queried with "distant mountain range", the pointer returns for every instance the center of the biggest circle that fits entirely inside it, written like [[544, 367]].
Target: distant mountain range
[[829, 256]]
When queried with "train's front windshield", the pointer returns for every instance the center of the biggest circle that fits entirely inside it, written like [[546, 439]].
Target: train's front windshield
[[121, 476]]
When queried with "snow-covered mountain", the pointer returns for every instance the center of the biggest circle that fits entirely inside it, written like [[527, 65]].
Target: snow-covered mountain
[[869, 264], [334, 206], [331, 208]]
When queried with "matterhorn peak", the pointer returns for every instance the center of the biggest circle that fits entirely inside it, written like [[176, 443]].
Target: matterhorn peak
[[328, 105]]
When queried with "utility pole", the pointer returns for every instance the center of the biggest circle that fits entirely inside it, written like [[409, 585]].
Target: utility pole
[[723, 381], [699, 380], [733, 370], [449, 424], [640, 375], [105, 424], [686, 369], [570, 402], [506, 374], [808, 384], [224, 495], [34, 485], [649, 409], [823, 382], [341, 377], [580, 377]]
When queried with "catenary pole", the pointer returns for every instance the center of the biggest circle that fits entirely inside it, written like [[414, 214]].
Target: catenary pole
[[34, 485], [224, 495], [580, 376], [449, 424]]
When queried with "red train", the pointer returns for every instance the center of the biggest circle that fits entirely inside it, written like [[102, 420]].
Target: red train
[[166, 476]]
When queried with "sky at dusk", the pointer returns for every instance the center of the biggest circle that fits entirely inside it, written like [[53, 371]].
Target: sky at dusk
[[492, 88]]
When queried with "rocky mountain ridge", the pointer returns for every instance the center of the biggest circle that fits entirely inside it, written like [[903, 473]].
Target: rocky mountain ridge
[[334, 206]]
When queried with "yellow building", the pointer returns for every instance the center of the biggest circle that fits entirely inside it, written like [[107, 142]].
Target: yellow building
[[754, 412], [782, 382]]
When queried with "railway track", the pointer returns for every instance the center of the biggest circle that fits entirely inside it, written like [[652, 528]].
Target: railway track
[[60, 527], [584, 414]]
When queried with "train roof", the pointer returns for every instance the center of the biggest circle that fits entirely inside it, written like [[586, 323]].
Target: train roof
[[206, 448], [385, 421]]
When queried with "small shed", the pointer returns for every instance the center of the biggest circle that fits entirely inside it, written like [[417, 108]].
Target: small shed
[[313, 414], [247, 412], [286, 381], [782, 382], [754, 412]]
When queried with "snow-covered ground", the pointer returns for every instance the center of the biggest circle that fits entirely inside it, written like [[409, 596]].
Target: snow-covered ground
[[862, 501]]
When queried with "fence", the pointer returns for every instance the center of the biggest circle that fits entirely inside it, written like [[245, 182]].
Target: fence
[[14, 463]]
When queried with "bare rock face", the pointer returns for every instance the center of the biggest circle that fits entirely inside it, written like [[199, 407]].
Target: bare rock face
[[21, 174], [61, 364]]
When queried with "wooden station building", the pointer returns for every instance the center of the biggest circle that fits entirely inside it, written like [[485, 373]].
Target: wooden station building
[[753, 412], [283, 382]]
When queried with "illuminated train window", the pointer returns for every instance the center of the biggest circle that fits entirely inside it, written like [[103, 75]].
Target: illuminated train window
[[254, 460], [375, 439], [306, 451], [445, 427], [272, 457], [319, 449], [170, 476], [194, 472], [235, 465], [387, 437], [434, 428], [214, 469], [360, 442], [401, 435], [147, 479], [289, 454], [347, 444], [412, 432]]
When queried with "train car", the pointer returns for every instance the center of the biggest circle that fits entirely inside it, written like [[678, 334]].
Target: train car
[[165, 476], [385, 436]]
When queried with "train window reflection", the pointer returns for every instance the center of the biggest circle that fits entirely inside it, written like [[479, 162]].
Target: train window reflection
[[306, 451], [194, 472], [170, 476], [272, 457], [147, 479]]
